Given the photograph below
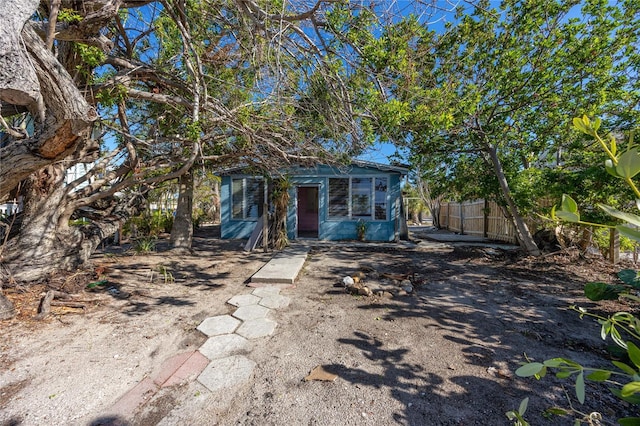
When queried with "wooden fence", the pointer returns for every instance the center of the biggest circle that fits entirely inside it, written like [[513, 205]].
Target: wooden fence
[[479, 217]]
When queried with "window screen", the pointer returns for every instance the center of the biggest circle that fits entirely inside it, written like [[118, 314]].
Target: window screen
[[338, 197]]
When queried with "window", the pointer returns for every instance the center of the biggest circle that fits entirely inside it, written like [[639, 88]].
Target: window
[[361, 197], [358, 198], [381, 198], [247, 198], [338, 197]]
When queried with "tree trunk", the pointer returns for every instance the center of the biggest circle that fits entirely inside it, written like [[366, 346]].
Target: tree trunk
[[46, 243], [182, 229], [522, 231], [44, 87]]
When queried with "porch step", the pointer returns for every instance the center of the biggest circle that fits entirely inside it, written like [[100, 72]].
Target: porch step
[[283, 268]]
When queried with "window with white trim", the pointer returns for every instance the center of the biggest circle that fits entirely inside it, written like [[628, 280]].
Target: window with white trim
[[247, 198], [358, 198]]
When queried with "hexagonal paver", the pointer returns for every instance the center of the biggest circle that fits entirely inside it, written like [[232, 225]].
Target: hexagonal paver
[[251, 312], [227, 372], [256, 328], [223, 346], [244, 300], [221, 324], [268, 290], [275, 302]]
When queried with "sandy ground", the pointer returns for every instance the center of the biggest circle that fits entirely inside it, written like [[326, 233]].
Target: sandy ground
[[442, 355]]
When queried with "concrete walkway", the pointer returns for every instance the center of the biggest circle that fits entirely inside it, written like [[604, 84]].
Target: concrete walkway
[[283, 268], [221, 362]]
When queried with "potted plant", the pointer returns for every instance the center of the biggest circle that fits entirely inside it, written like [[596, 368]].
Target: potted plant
[[361, 228]]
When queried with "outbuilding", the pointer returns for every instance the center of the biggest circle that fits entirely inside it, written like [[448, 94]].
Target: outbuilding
[[358, 201]]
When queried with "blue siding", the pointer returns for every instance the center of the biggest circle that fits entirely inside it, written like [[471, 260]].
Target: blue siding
[[329, 229]]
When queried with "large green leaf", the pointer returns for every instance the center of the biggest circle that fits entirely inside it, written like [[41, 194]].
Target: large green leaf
[[630, 276], [629, 164], [629, 232], [602, 291], [627, 217]]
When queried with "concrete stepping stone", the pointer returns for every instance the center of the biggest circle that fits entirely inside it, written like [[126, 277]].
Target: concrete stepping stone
[[275, 302], [221, 324], [227, 372], [256, 328], [250, 312], [223, 346], [244, 300], [269, 290]]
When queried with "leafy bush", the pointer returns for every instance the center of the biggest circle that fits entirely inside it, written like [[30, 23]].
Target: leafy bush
[[622, 327], [149, 224]]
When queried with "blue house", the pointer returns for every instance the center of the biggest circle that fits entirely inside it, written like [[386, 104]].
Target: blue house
[[326, 203]]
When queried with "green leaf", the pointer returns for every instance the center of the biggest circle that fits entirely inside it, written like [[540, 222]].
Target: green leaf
[[630, 389], [610, 168], [629, 164], [530, 369], [602, 291], [599, 375], [629, 421], [578, 124], [563, 374], [97, 283], [580, 387], [568, 204], [557, 411], [624, 367], [629, 232], [634, 353], [523, 406], [629, 276], [633, 399], [627, 217], [554, 362], [568, 216]]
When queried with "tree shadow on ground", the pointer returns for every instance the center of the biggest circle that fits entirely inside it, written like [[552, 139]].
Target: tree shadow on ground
[[491, 319]]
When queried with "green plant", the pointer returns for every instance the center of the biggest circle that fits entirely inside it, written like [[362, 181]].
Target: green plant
[[145, 244], [602, 291], [166, 274], [518, 416], [622, 327], [361, 229], [280, 198]]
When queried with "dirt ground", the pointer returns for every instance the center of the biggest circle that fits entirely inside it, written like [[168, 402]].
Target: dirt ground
[[442, 355]]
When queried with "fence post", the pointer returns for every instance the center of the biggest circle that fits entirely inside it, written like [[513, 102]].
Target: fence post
[[614, 246], [485, 220], [461, 210]]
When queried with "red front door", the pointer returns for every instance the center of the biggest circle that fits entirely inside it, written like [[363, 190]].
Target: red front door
[[307, 212]]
